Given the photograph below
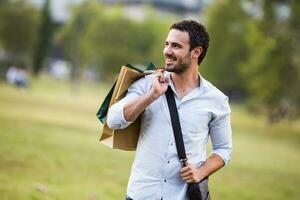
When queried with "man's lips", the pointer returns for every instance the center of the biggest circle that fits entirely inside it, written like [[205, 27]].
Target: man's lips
[[170, 60]]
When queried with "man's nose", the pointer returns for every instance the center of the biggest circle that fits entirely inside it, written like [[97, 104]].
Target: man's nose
[[167, 51]]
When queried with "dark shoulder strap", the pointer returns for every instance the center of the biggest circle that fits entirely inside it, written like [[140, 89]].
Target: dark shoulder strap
[[176, 125]]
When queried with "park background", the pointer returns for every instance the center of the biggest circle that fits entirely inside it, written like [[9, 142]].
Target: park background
[[72, 51]]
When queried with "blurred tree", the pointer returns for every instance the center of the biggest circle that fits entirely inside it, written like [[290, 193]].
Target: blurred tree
[[262, 78], [226, 24], [294, 24], [159, 30], [18, 25], [110, 39], [256, 54], [44, 38], [272, 69]]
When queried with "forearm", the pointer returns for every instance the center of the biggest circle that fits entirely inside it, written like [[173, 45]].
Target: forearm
[[213, 164], [135, 107]]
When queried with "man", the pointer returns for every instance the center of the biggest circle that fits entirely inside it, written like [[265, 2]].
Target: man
[[203, 111]]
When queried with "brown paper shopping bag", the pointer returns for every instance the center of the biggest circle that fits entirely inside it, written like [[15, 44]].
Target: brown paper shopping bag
[[124, 139]]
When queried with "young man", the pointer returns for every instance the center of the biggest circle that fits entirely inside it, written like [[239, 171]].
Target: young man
[[203, 111]]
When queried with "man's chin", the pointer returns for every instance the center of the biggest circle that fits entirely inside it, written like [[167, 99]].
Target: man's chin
[[169, 68]]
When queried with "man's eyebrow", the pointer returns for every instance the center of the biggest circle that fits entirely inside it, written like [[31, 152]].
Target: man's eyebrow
[[174, 43]]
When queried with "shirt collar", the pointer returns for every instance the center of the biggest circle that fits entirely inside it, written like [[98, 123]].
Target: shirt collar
[[194, 93]]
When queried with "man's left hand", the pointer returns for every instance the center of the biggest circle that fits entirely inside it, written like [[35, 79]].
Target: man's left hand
[[190, 174]]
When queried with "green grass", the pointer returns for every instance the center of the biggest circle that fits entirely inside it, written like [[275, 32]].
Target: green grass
[[49, 150]]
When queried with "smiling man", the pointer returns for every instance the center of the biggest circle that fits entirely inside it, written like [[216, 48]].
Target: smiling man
[[203, 110]]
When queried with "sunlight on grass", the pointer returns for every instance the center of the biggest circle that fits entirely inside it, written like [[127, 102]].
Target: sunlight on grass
[[49, 149]]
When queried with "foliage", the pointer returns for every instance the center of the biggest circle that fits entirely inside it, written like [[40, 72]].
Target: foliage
[[252, 56], [226, 25], [271, 69], [18, 26], [255, 69], [108, 38], [44, 38], [256, 55]]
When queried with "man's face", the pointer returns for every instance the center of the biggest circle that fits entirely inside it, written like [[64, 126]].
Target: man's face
[[177, 51]]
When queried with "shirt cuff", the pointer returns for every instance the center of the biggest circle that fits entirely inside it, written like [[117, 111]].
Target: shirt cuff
[[116, 119], [224, 154], [124, 123]]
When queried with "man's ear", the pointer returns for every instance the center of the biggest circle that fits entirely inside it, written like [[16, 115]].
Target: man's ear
[[197, 52]]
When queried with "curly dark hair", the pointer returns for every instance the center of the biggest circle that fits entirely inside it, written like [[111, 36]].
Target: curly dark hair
[[197, 34]]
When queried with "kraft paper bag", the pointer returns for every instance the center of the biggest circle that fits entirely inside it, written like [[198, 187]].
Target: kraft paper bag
[[124, 139]]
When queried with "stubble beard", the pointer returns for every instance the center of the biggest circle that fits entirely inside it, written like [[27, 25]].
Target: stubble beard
[[180, 67], [177, 68]]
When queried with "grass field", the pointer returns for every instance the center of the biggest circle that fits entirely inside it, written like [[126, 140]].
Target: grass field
[[49, 150]]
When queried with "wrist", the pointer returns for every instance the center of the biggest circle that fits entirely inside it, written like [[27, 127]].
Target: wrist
[[153, 95], [201, 175]]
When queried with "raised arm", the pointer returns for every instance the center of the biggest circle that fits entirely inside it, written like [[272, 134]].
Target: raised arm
[[128, 109], [135, 107]]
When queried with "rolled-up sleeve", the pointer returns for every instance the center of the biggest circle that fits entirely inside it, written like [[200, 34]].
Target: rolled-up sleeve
[[221, 133], [115, 116]]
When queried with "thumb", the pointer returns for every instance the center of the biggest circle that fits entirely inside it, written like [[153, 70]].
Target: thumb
[[186, 163], [167, 80]]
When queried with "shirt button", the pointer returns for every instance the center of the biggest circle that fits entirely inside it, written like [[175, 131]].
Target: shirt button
[[171, 144], [168, 161], [165, 180]]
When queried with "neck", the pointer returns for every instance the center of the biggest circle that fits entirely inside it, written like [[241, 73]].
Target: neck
[[186, 82]]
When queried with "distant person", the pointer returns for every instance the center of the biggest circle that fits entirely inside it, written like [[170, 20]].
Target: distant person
[[17, 76], [11, 74], [203, 111]]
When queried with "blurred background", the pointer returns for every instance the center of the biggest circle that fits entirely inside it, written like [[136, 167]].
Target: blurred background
[[59, 58]]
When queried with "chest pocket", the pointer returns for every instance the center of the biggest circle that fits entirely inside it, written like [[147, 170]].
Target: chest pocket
[[194, 120]]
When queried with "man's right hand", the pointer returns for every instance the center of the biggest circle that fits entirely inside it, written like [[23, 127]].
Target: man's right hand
[[159, 84], [135, 107]]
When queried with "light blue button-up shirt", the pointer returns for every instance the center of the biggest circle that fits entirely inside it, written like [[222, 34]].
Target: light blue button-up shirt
[[203, 113]]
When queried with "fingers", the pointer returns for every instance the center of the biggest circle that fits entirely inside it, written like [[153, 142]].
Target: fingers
[[161, 78], [190, 181], [188, 173], [167, 80], [187, 167], [188, 177], [160, 83]]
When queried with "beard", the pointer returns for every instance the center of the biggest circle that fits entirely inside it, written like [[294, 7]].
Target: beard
[[180, 66], [177, 68]]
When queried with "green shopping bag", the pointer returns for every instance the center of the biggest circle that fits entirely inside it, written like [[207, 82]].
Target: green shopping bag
[[124, 139]]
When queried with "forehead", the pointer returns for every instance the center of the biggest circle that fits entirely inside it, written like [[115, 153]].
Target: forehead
[[177, 36]]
